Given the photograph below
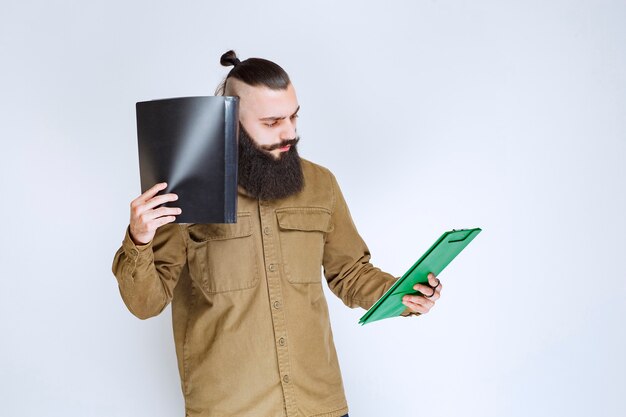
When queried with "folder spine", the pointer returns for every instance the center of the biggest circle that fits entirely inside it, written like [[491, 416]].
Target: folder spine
[[231, 147]]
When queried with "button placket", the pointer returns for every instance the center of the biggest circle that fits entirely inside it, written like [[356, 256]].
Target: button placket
[[270, 255]]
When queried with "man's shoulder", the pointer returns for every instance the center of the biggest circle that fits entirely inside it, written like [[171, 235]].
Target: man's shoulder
[[319, 185], [315, 171]]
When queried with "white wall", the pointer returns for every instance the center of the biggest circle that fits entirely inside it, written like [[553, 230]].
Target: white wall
[[433, 115]]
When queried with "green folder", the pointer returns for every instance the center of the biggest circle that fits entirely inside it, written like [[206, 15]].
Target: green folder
[[440, 254]]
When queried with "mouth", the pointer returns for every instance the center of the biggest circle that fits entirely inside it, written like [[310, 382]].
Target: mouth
[[282, 146]]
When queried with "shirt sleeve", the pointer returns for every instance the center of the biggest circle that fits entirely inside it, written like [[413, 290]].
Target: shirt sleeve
[[347, 267], [147, 274]]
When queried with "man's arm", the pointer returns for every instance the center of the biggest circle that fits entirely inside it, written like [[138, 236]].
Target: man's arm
[[350, 274], [153, 253], [147, 274], [347, 267]]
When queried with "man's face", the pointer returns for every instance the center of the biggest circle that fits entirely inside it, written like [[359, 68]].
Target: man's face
[[269, 116]]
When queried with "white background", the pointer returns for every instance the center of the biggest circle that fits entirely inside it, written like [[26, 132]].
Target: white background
[[433, 115]]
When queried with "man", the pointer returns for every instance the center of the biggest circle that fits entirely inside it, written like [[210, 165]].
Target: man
[[251, 324]]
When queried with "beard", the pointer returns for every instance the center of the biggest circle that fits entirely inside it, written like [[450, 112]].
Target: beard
[[265, 177]]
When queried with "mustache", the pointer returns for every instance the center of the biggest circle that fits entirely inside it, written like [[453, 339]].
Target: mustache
[[281, 144]]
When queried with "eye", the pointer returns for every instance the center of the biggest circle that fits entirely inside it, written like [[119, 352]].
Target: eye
[[271, 124]]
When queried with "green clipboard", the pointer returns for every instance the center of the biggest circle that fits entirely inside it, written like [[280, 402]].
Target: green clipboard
[[434, 260]]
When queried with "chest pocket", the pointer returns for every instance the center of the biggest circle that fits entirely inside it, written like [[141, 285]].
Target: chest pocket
[[221, 257], [302, 236]]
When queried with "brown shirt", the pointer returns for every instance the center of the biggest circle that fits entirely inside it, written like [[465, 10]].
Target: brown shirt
[[251, 324]]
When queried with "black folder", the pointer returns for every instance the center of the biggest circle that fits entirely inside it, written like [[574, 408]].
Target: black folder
[[191, 143]]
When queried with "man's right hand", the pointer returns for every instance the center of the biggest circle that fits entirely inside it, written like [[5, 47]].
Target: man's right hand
[[145, 219]]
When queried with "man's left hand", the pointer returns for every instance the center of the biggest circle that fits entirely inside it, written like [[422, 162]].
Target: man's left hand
[[430, 293]]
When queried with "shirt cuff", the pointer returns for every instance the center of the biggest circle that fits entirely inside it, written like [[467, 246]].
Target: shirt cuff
[[132, 250]]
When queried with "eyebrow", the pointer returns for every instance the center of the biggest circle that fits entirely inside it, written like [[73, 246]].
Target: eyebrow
[[265, 119]]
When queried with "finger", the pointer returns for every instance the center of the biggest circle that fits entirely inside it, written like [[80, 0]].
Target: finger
[[159, 199], [416, 308], [416, 299], [160, 212], [163, 220], [436, 293], [150, 193], [145, 222], [425, 289]]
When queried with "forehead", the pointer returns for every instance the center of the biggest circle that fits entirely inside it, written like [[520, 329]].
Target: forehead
[[261, 101]]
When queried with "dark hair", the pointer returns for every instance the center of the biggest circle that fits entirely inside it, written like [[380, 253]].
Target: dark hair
[[254, 72]]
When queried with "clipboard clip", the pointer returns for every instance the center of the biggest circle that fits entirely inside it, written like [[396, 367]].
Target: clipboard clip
[[468, 234]]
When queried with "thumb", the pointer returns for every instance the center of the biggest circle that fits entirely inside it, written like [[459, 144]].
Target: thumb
[[432, 280]]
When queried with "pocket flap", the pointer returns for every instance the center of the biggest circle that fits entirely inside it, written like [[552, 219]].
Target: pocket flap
[[217, 231], [305, 218]]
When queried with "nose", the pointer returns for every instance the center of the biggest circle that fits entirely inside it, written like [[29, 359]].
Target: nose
[[289, 129]]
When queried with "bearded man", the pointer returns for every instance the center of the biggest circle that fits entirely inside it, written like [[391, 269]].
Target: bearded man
[[251, 324]]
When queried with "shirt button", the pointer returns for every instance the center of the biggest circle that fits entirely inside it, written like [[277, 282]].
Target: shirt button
[[272, 267], [277, 304], [286, 379], [266, 230], [281, 341]]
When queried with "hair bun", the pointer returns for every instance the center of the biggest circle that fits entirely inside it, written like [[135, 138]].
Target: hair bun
[[229, 58]]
